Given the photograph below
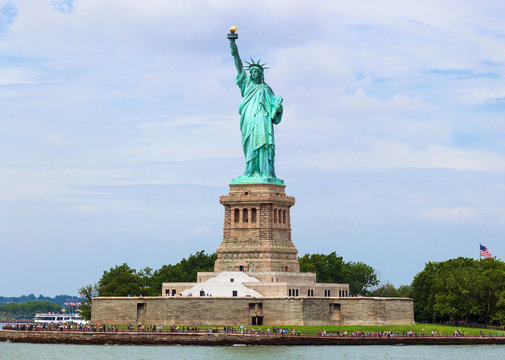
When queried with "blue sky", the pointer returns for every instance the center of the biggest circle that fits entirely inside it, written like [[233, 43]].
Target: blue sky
[[119, 131]]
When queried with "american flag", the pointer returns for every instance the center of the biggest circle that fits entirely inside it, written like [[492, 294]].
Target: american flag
[[485, 252]]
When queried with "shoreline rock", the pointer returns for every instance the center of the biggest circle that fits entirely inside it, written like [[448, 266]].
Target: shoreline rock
[[223, 339]]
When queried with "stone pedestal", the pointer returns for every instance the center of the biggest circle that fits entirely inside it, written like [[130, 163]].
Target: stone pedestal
[[257, 230]]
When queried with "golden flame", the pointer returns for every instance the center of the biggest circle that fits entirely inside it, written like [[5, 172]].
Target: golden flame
[[233, 29]]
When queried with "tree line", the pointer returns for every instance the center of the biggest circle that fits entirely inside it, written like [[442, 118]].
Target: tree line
[[27, 309], [122, 280], [58, 299], [331, 268], [462, 289]]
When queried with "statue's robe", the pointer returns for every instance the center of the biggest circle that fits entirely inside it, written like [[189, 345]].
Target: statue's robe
[[258, 114]]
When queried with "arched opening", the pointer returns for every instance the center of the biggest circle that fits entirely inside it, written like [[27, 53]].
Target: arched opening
[[275, 216], [283, 216], [245, 215], [236, 215], [253, 215]]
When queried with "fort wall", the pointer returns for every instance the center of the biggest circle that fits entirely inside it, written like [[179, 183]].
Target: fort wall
[[252, 311]]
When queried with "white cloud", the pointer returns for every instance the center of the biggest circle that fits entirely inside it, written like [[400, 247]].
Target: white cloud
[[386, 155], [360, 103], [453, 215], [492, 217], [49, 183], [481, 95], [13, 76]]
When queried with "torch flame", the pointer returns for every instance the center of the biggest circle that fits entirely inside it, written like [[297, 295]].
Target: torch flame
[[233, 29]]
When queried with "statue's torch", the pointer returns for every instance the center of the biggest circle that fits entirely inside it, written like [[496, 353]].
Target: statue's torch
[[232, 36]]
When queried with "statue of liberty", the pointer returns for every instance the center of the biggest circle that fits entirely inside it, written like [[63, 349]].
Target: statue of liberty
[[259, 110]]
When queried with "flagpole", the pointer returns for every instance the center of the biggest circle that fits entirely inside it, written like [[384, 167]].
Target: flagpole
[[480, 256]]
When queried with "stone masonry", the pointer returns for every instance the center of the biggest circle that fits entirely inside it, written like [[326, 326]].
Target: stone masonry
[[257, 230], [246, 311]]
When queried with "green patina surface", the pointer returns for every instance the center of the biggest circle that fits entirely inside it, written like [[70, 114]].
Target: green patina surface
[[256, 180], [259, 111]]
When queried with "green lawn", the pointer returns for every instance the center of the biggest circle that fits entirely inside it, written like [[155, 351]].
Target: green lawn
[[441, 329], [308, 329]]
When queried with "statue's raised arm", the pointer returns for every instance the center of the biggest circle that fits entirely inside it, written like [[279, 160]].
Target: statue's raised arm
[[234, 50]]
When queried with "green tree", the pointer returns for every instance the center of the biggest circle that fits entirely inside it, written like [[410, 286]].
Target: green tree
[[491, 291], [422, 292], [499, 315], [455, 289], [461, 289], [404, 291], [184, 271], [121, 281], [386, 290], [361, 278], [333, 269], [88, 292], [328, 268]]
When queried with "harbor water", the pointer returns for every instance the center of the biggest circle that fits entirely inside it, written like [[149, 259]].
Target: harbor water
[[25, 351], [64, 352]]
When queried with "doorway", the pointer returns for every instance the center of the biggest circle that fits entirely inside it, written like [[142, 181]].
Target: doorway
[[257, 320], [141, 312]]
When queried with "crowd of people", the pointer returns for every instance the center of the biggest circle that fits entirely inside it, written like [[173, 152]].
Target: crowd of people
[[389, 334], [224, 329], [59, 327]]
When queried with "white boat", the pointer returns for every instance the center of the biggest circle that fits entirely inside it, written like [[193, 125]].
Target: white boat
[[59, 318]]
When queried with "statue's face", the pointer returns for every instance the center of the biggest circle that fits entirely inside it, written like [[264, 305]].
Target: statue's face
[[255, 74]]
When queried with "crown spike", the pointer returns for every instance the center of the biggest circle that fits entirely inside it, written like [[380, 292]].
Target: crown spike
[[255, 64]]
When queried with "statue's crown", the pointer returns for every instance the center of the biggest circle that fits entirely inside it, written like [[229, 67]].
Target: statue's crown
[[255, 64]]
